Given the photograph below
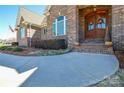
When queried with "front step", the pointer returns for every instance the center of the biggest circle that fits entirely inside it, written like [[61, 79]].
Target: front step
[[101, 49]]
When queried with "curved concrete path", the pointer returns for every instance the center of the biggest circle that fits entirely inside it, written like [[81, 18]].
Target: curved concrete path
[[68, 70]]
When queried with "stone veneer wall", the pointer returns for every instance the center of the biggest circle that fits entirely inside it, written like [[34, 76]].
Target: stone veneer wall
[[118, 27], [55, 11], [73, 25]]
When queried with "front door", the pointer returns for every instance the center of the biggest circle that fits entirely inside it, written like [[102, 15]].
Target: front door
[[95, 25]]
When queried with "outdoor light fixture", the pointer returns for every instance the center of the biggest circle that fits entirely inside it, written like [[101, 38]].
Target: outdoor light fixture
[[94, 8], [59, 13]]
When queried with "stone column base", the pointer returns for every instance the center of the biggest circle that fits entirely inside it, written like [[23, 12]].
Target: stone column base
[[108, 43]]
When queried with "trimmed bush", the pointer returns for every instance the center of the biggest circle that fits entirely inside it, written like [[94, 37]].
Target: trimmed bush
[[8, 48], [50, 44], [14, 43]]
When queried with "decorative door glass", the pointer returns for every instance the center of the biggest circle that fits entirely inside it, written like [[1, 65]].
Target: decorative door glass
[[101, 23], [90, 26]]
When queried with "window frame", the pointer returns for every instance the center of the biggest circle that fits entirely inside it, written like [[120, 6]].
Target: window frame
[[65, 27], [24, 32], [91, 26]]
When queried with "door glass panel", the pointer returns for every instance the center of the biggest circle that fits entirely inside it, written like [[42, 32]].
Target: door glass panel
[[90, 26], [101, 23]]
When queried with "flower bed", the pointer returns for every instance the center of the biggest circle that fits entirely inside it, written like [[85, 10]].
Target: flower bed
[[32, 51]]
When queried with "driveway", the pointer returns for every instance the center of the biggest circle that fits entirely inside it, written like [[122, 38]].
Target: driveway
[[68, 70]]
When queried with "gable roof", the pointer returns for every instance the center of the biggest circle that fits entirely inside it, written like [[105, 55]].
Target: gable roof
[[30, 17], [48, 7]]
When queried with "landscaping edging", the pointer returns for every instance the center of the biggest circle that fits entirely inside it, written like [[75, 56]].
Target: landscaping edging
[[49, 52], [38, 52]]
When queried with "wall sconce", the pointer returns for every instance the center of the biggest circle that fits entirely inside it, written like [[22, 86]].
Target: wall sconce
[[59, 13], [109, 14], [94, 8]]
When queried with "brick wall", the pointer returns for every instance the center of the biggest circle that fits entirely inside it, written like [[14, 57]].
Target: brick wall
[[35, 33], [64, 10], [55, 11], [73, 25]]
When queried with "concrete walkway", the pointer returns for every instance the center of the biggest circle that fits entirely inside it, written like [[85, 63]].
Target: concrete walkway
[[68, 70]]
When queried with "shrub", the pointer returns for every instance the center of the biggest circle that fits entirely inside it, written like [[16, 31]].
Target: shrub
[[8, 48], [14, 43], [50, 44], [17, 49]]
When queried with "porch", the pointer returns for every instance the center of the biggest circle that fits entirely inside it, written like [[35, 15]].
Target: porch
[[94, 29], [94, 26]]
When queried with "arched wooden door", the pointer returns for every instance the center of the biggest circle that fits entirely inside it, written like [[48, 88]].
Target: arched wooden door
[[95, 25]]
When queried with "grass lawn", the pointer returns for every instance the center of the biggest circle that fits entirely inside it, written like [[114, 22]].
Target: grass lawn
[[4, 47], [116, 80], [1, 44]]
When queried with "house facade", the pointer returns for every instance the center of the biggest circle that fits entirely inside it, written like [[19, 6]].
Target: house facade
[[79, 24], [30, 27]]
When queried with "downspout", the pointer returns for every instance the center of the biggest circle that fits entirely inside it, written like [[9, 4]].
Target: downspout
[[64, 25], [56, 27], [30, 35]]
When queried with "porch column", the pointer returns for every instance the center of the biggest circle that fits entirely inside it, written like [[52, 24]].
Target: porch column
[[72, 26]]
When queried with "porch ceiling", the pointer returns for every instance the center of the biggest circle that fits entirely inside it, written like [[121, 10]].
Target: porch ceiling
[[84, 6]]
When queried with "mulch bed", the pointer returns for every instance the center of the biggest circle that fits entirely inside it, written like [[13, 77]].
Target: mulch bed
[[23, 53], [35, 52]]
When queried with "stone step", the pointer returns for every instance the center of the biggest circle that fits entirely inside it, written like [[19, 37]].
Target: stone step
[[102, 49]]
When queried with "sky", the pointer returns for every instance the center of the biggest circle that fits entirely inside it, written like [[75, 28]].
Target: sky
[[8, 14]]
